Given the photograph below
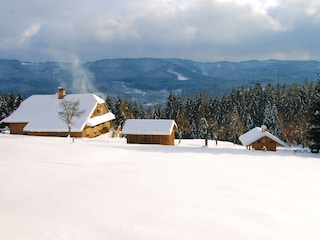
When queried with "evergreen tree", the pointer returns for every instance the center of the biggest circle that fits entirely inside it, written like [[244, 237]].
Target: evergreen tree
[[213, 115], [198, 109], [122, 111], [157, 113], [174, 107], [314, 121], [257, 104], [270, 116], [109, 104], [223, 119], [204, 126], [9, 103]]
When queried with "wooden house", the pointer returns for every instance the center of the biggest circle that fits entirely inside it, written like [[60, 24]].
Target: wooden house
[[260, 139], [38, 115], [150, 131]]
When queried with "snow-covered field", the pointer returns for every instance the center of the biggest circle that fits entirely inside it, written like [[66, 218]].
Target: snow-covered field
[[103, 188]]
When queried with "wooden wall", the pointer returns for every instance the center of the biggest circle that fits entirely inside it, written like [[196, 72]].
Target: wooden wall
[[17, 128], [101, 109], [270, 144], [151, 139], [90, 132], [96, 130]]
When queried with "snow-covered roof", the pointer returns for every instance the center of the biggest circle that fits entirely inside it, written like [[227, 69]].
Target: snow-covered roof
[[255, 134], [149, 126], [41, 112], [100, 119]]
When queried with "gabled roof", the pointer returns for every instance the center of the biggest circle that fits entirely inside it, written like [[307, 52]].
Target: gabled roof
[[255, 134], [149, 126], [41, 112]]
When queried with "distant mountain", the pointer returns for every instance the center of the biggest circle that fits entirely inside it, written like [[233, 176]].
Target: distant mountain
[[149, 80]]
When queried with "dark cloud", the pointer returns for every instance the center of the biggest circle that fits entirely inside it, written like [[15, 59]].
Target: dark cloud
[[205, 30]]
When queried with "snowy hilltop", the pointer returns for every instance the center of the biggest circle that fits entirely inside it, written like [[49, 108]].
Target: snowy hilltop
[[103, 188]]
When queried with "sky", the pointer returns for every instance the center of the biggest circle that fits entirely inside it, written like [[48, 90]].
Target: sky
[[200, 30]]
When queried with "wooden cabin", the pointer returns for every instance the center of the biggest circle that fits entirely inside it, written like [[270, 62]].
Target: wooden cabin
[[150, 131], [260, 139], [38, 115]]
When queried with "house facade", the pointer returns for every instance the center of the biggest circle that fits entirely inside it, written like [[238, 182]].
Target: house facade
[[38, 115], [150, 131], [259, 138]]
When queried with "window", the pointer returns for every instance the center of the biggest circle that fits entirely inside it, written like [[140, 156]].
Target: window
[[99, 111]]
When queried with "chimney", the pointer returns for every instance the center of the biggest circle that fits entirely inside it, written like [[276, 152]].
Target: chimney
[[61, 92], [264, 128]]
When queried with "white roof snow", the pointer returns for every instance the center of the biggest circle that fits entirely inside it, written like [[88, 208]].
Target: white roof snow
[[100, 119], [255, 134], [149, 126], [41, 112]]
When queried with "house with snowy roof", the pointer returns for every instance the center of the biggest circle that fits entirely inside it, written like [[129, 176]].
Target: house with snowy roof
[[150, 131], [38, 115], [259, 138]]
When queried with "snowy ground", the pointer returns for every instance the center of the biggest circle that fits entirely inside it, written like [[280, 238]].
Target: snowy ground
[[105, 189]]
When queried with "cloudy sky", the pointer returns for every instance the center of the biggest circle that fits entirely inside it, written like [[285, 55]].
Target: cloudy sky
[[202, 30]]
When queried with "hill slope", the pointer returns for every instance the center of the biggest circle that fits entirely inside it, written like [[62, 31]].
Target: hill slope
[[148, 80], [103, 188]]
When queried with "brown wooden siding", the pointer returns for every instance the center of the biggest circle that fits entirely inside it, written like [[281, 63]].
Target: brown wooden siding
[[96, 130], [100, 110], [17, 128], [151, 139], [266, 142], [90, 132]]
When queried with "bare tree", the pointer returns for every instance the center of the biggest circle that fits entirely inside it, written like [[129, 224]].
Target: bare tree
[[236, 126], [70, 110]]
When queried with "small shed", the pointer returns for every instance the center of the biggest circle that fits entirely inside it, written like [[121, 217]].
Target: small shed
[[259, 138], [150, 131]]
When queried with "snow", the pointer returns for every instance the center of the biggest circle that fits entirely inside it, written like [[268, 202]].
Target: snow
[[255, 134], [149, 126], [103, 188], [180, 76], [42, 112], [100, 119]]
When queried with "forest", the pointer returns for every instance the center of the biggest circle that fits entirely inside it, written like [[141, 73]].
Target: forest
[[285, 110], [289, 112]]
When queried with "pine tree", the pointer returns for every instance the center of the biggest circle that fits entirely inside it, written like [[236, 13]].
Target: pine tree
[[257, 103], [223, 119], [314, 121], [204, 126], [270, 116], [9, 103], [174, 106], [157, 112], [213, 115]]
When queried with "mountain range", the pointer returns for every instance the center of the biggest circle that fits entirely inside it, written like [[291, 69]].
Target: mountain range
[[149, 80]]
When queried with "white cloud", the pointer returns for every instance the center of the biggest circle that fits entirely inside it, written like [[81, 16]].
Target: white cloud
[[30, 32], [195, 29]]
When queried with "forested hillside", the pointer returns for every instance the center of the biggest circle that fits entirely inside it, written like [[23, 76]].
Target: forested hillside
[[150, 80], [283, 109]]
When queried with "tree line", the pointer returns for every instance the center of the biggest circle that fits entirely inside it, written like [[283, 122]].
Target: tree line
[[289, 112], [285, 110]]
